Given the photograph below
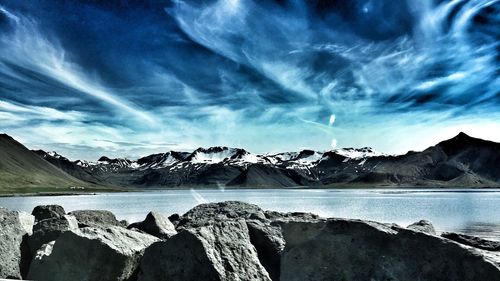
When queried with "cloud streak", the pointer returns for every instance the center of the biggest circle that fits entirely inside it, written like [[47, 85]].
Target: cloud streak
[[132, 78], [26, 47]]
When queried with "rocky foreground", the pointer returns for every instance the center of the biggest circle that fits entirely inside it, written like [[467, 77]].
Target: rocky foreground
[[233, 241]]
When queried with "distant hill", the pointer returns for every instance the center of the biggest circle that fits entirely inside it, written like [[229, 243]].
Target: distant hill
[[21, 170], [462, 161]]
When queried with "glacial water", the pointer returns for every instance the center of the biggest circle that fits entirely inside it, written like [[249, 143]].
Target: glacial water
[[470, 211]]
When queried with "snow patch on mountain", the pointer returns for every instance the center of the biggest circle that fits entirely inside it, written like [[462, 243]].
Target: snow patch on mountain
[[311, 159], [55, 155], [358, 153], [215, 155], [305, 158], [84, 163]]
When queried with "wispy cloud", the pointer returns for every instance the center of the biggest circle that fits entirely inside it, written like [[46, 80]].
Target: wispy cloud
[[128, 80], [28, 48], [29, 112]]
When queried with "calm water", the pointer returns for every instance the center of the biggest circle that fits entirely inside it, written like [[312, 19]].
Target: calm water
[[472, 211]]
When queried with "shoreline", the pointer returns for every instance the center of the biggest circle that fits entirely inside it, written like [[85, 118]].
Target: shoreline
[[47, 194], [215, 188]]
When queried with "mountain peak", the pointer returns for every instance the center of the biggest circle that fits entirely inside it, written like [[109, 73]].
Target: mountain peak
[[104, 159], [461, 142], [8, 140], [462, 135], [461, 138], [6, 137]]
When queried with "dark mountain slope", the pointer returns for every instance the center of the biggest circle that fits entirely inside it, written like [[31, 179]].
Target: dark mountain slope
[[260, 175], [460, 161], [189, 175], [473, 155], [69, 167], [21, 169]]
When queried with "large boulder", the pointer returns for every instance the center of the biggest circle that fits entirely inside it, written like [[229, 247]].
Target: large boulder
[[217, 251], [91, 253], [423, 226], [95, 218], [50, 229], [472, 241], [269, 243], [229, 210], [14, 228], [265, 236], [339, 249], [43, 212], [155, 224]]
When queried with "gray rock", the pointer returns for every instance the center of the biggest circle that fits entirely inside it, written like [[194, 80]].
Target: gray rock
[[124, 223], [96, 218], [273, 216], [266, 238], [14, 228], [43, 212], [174, 218], [269, 243], [472, 241], [229, 210], [423, 226], [91, 253], [219, 251], [157, 225], [50, 229], [338, 249]]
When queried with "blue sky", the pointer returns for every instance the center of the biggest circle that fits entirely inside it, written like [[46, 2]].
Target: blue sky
[[130, 78]]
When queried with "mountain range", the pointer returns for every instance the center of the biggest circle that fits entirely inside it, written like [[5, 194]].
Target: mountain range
[[462, 161]]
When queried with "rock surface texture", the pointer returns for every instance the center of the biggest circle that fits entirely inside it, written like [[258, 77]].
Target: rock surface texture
[[229, 210], [157, 225], [50, 229], [91, 253], [264, 235], [98, 218], [338, 249], [269, 243], [423, 226], [218, 251], [473, 241], [14, 228], [48, 211]]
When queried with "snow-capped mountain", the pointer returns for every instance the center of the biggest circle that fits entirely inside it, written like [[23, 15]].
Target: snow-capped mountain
[[306, 158], [358, 153], [219, 165], [199, 159], [161, 160], [217, 154]]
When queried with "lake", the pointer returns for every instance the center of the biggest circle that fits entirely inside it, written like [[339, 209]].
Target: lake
[[473, 211]]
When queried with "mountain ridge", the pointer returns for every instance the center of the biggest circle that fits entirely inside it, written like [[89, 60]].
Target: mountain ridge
[[22, 169], [461, 161]]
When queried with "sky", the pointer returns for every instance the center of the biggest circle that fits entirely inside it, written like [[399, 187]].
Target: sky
[[129, 78]]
